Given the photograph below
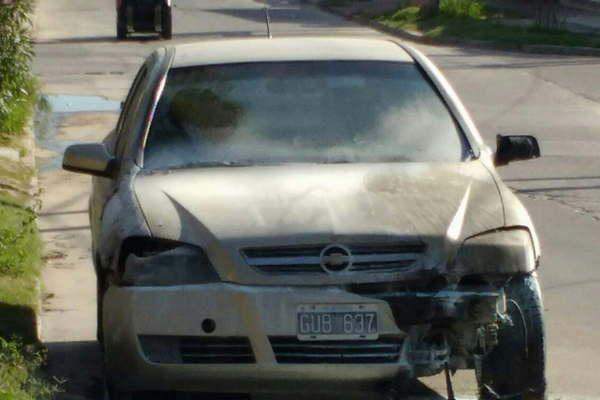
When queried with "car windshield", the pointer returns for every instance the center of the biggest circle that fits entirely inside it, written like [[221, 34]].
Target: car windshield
[[292, 112]]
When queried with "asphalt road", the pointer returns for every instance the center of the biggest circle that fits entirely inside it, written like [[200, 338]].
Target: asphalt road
[[556, 98]]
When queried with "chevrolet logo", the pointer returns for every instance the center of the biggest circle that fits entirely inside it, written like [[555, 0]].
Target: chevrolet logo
[[336, 258]]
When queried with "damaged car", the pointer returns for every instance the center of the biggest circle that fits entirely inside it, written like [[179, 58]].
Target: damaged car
[[308, 215]]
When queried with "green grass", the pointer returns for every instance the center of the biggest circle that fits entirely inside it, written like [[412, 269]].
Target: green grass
[[19, 271], [12, 123], [20, 358], [469, 20], [20, 362], [20, 378]]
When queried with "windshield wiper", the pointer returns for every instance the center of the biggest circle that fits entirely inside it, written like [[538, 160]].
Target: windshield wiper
[[222, 164], [374, 160], [341, 161], [204, 164]]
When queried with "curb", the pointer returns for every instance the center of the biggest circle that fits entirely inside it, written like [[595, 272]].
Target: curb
[[28, 160], [482, 44]]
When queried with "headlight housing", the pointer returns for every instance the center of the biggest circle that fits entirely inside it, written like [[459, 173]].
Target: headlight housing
[[503, 251], [146, 261]]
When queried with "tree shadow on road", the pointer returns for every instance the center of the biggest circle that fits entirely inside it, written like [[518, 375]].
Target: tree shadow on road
[[78, 364], [18, 321]]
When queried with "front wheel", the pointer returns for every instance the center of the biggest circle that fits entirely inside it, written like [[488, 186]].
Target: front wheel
[[516, 367], [166, 22]]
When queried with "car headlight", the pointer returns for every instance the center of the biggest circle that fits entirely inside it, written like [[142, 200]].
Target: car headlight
[[149, 261], [503, 251]]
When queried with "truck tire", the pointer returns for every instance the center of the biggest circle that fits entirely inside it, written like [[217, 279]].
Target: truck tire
[[166, 16], [121, 23], [516, 367]]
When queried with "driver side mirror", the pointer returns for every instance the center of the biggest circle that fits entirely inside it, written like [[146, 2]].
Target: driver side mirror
[[515, 148], [90, 158]]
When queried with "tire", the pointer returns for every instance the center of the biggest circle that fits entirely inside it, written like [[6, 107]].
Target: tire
[[121, 23], [516, 367], [166, 16]]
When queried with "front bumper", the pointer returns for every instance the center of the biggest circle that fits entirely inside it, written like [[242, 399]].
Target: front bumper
[[158, 338], [263, 316]]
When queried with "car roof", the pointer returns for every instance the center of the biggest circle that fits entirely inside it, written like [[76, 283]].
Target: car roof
[[231, 51]]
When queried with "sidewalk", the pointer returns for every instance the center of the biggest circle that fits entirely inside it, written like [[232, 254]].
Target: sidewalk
[[582, 16]]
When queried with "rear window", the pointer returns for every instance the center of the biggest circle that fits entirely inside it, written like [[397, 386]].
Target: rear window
[[294, 112]]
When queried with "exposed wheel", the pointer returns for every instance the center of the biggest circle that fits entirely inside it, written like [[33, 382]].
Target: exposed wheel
[[166, 16], [517, 366], [121, 23]]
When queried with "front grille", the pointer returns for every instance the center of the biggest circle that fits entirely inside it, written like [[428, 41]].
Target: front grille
[[368, 258], [215, 350], [289, 350], [197, 349]]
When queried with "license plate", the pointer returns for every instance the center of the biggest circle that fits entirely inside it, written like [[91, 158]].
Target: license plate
[[337, 321]]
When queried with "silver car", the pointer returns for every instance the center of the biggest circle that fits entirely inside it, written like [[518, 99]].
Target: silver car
[[308, 214]]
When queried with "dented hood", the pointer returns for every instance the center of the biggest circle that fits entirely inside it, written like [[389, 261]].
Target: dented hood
[[227, 208]]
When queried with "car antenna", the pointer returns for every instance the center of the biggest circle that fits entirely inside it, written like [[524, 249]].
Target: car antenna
[[268, 22]]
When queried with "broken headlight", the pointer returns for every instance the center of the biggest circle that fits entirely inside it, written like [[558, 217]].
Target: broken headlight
[[504, 251], [154, 262]]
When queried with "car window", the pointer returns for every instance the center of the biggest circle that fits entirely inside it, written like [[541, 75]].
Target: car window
[[321, 111], [132, 99]]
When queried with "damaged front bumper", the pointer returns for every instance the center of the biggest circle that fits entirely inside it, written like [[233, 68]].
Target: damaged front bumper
[[411, 308], [222, 337]]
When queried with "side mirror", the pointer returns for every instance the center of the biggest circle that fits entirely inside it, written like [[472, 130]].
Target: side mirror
[[515, 148], [90, 158]]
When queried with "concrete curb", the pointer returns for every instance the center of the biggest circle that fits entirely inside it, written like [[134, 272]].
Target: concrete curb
[[419, 38], [28, 160], [30, 145]]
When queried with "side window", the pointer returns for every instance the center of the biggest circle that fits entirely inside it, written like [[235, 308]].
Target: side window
[[129, 105]]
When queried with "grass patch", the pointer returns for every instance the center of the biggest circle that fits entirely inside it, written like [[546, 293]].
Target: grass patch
[[470, 20], [19, 271], [19, 373], [20, 362], [20, 358], [18, 111]]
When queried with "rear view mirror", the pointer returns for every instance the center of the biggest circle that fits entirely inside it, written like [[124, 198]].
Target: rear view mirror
[[90, 158], [515, 148]]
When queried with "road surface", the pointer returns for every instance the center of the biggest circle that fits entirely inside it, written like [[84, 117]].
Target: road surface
[[556, 98]]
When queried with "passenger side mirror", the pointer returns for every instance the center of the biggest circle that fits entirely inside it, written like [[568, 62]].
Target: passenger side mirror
[[90, 158], [515, 148]]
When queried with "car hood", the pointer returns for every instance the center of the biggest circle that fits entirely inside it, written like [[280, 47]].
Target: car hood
[[226, 209]]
